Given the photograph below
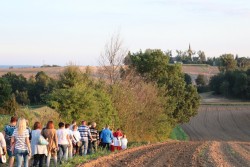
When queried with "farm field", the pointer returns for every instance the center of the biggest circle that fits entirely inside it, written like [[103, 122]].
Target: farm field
[[219, 136], [192, 70]]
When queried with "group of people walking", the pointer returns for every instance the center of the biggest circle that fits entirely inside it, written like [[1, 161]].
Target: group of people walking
[[44, 143]]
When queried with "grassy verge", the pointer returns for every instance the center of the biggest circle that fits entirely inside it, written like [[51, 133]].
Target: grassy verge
[[77, 160], [178, 134]]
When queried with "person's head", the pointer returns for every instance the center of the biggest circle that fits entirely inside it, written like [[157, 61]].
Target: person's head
[[93, 125], [50, 125], [21, 125], [124, 136], [74, 122], [75, 127], [67, 126], [84, 123], [13, 120], [118, 129], [61, 125], [107, 126], [37, 125]]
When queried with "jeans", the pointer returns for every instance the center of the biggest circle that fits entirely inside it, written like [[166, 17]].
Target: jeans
[[70, 151], [38, 158], [63, 151], [21, 155], [84, 147], [106, 145], [48, 160], [92, 147]]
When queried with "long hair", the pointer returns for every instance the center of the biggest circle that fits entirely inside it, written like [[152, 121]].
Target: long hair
[[21, 125]]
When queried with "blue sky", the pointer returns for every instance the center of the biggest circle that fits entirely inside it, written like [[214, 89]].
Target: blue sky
[[62, 31]]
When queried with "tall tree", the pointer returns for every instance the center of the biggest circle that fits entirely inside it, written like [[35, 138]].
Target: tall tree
[[112, 59], [227, 63], [153, 66]]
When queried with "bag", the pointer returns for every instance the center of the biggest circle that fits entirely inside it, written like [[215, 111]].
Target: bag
[[42, 141], [79, 143], [2, 156], [3, 159]]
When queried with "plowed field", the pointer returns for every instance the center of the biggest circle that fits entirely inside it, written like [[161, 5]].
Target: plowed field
[[220, 136]]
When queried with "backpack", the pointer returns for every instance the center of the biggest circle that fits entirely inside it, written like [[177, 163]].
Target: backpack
[[8, 133]]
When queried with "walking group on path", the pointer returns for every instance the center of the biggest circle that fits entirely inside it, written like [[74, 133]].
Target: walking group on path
[[43, 143]]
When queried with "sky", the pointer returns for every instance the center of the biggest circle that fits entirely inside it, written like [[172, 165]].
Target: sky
[[37, 32]]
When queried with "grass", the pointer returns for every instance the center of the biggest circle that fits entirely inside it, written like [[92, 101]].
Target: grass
[[178, 134], [77, 160]]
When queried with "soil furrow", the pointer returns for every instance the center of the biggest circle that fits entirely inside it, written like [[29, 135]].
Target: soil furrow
[[232, 157]]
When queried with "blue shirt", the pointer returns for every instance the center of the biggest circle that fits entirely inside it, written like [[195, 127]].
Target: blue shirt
[[106, 136]]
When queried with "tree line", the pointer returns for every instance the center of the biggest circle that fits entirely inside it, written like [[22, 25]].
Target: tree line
[[147, 100], [234, 77]]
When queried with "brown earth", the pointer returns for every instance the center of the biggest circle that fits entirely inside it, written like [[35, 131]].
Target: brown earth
[[220, 136]]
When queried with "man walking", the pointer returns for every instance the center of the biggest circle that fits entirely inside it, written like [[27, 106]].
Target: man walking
[[106, 137], [85, 135]]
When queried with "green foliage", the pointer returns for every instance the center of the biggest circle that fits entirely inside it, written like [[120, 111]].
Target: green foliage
[[235, 84], [82, 99], [227, 63], [178, 134], [187, 79], [181, 101], [5, 91], [71, 76], [200, 80]]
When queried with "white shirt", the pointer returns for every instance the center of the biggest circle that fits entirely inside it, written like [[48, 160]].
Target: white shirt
[[62, 136], [124, 142], [76, 136]]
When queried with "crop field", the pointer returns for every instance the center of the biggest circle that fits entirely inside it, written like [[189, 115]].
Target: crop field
[[192, 70], [219, 136], [220, 123]]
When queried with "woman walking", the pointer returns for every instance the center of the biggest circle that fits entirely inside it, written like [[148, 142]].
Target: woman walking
[[38, 151], [21, 143], [49, 133]]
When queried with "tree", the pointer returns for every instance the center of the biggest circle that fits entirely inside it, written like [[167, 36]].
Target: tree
[[112, 58], [243, 63], [71, 76], [200, 80], [227, 63], [187, 79], [153, 66], [5, 91], [79, 98], [202, 56]]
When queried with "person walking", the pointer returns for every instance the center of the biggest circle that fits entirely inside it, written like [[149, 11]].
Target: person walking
[[8, 131], [85, 135], [49, 133], [70, 146], [117, 139], [38, 151], [95, 138], [20, 142], [106, 137], [124, 142], [63, 142], [76, 140]]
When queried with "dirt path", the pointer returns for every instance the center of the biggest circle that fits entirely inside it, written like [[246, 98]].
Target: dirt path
[[184, 154]]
